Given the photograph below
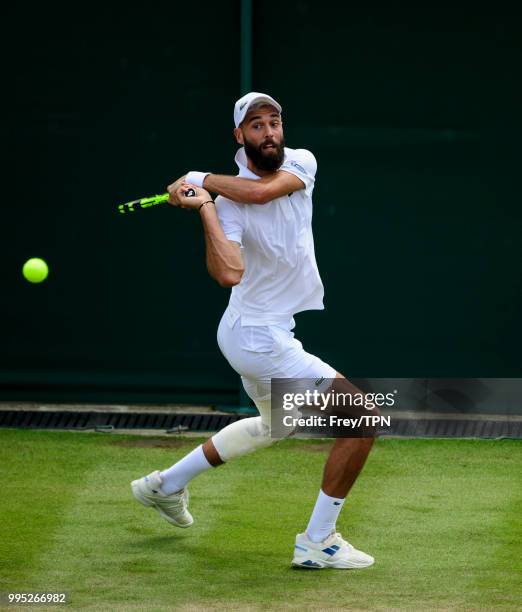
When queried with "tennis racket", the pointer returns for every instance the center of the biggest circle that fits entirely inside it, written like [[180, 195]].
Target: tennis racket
[[144, 203]]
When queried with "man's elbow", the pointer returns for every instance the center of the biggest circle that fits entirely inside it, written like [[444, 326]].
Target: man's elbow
[[230, 279]]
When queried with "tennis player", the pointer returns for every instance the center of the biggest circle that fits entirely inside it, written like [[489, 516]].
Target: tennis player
[[259, 242]]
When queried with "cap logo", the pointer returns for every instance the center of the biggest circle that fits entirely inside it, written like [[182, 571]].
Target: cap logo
[[243, 105]]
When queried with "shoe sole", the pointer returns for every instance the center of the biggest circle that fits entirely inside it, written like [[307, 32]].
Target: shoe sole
[[150, 504], [317, 565]]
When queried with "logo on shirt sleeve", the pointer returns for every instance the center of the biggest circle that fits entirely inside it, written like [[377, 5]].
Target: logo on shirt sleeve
[[296, 165]]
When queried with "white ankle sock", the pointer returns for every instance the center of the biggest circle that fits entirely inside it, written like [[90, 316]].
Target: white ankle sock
[[323, 519], [177, 476]]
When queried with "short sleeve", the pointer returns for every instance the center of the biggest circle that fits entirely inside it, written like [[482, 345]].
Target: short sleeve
[[302, 164], [231, 218]]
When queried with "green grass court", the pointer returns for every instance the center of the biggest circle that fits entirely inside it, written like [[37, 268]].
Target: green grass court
[[441, 517]]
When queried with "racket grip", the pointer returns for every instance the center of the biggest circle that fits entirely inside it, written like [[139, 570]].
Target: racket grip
[[190, 193]]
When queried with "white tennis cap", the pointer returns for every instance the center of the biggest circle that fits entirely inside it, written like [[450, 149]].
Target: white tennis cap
[[244, 103]]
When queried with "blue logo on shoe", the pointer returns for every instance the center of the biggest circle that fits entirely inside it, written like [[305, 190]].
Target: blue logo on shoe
[[332, 550], [310, 563]]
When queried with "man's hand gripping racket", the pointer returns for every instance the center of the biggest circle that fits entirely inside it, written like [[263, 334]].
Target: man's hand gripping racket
[[179, 196]]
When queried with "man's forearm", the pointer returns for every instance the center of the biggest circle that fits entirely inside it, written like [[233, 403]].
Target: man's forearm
[[246, 191], [223, 258]]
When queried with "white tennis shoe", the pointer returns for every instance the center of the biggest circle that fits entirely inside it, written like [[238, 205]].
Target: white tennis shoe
[[173, 508], [332, 552]]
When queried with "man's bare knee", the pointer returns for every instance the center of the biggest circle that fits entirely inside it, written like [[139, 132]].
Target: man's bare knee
[[350, 402]]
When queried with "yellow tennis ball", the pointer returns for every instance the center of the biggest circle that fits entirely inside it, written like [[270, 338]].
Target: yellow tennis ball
[[35, 270]]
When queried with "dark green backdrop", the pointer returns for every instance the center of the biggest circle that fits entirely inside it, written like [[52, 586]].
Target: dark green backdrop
[[415, 122]]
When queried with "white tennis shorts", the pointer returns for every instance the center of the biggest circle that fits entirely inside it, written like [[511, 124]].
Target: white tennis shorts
[[262, 352]]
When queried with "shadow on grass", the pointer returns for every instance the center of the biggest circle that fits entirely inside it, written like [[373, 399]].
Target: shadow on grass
[[166, 543]]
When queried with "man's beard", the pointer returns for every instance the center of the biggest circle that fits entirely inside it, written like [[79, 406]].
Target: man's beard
[[266, 159]]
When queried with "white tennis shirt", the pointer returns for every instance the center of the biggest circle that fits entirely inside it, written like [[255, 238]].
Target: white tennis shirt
[[281, 276]]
